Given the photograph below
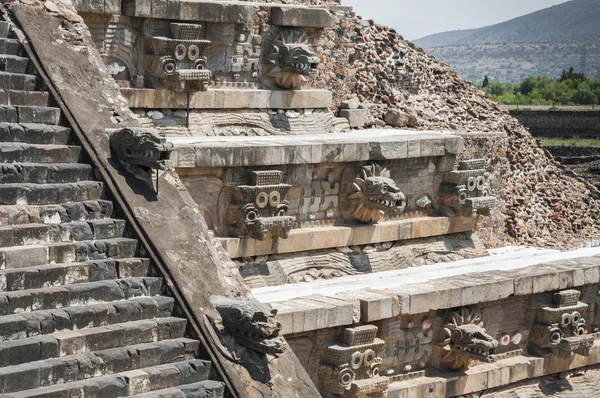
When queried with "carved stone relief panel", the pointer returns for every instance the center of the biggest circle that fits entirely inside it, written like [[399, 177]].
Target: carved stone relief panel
[[141, 150], [350, 366], [560, 327], [466, 190], [288, 58], [176, 59], [320, 195], [259, 208], [408, 344], [464, 339], [373, 193]]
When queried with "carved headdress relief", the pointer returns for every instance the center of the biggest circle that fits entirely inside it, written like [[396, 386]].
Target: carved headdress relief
[[290, 60], [374, 194]]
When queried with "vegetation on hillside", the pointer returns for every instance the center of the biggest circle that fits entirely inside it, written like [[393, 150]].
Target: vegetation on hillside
[[571, 88]]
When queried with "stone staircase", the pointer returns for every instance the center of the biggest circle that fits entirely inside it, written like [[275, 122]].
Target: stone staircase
[[81, 314]]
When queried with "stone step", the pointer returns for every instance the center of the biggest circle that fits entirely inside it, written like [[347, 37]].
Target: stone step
[[86, 366], [78, 294], [55, 213], [73, 342], [38, 234], [66, 252], [13, 63], [44, 173], [34, 133], [4, 29], [14, 152], [19, 81], [24, 98], [141, 381], [80, 272], [43, 322], [10, 46], [204, 389], [29, 114], [42, 194]]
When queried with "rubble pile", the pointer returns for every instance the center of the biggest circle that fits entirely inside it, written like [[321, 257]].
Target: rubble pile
[[404, 86]]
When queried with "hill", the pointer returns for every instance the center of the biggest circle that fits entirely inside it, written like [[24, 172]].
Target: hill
[[544, 42]]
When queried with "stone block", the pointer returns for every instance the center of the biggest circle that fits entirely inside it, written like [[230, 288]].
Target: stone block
[[382, 150], [413, 148], [518, 368], [352, 103], [484, 288], [454, 145], [397, 118], [544, 281], [433, 147], [303, 17], [333, 153], [355, 117], [207, 11], [112, 7], [138, 8], [350, 297], [374, 306]]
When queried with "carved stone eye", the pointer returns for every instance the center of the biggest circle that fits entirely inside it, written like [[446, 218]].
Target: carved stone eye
[[261, 200], [356, 360], [345, 377], [575, 317], [462, 196], [471, 184], [374, 371], [193, 52], [180, 52], [384, 188], [251, 216], [169, 67], [580, 331], [237, 314], [555, 336], [274, 199], [565, 320], [480, 183]]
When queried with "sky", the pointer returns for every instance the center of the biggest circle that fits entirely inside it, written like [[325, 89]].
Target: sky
[[415, 19]]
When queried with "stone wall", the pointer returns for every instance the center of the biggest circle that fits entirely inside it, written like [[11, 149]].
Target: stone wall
[[580, 124]]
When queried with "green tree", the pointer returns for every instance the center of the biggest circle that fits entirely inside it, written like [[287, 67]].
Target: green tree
[[584, 95], [486, 81]]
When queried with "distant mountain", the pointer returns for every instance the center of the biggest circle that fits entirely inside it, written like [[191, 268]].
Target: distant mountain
[[543, 42], [445, 38]]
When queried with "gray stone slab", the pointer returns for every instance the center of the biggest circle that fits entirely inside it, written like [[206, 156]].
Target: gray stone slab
[[357, 145], [301, 16]]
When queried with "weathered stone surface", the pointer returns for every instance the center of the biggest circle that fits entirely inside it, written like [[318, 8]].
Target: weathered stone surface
[[307, 17], [397, 118], [356, 117], [154, 211]]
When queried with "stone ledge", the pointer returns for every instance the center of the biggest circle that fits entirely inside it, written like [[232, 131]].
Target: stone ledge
[[353, 146], [420, 290], [104, 7], [228, 99], [303, 17], [309, 239], [239, 12], [487, 376]]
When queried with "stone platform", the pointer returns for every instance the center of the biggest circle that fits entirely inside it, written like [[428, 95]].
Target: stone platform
[[228, 99], [506, 273], [505, 290], [352, 146]]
